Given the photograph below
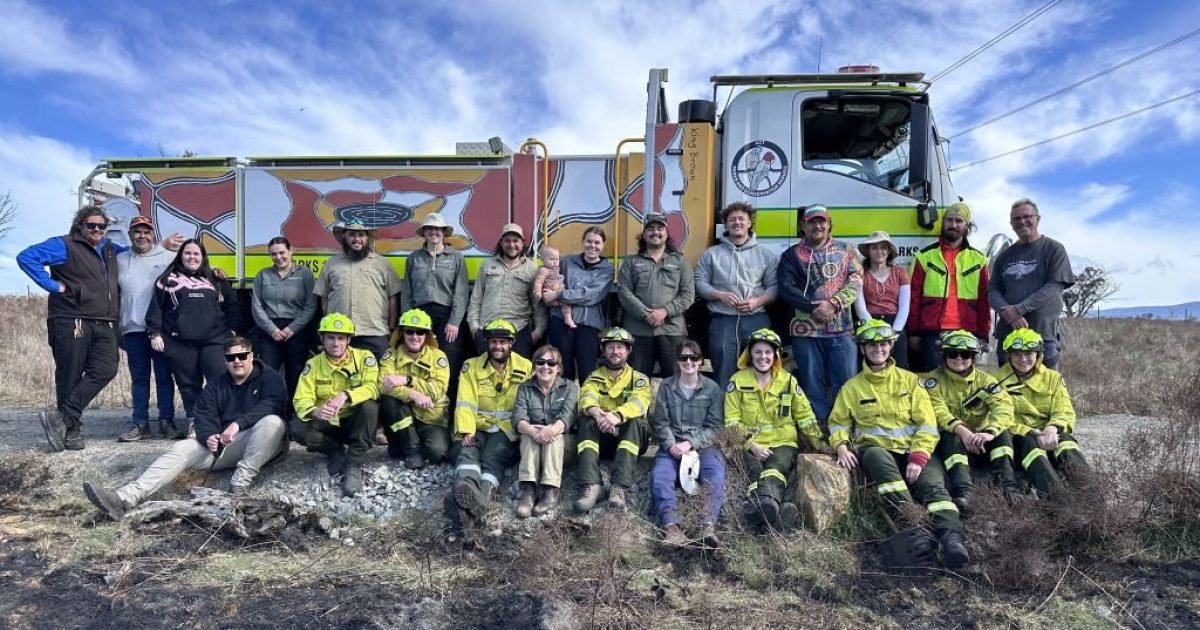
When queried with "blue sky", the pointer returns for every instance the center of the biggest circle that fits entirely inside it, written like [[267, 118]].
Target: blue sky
[[83, 81]]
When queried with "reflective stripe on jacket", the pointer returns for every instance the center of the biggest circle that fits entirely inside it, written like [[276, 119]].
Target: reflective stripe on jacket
[[1040, 400], [949, 393], [430, 373], [321, 380], [627, 395], [931, 285], [486, 397], [887, 409]]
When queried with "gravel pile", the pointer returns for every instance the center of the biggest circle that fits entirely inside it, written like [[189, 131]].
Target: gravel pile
[[387, 490]]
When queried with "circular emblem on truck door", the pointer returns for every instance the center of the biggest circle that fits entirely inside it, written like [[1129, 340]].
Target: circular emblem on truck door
[[759, 168]]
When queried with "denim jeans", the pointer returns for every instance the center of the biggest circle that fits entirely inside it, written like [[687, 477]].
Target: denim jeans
[[665, 475], [141, 361], [727, 336], [823, 365]]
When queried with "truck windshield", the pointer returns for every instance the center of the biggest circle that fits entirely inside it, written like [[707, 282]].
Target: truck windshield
[[865, 139]]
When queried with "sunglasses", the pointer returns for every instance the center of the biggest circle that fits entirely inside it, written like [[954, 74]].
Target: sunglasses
[[959, 354], [96, 227], [549, 362], [695, 358], [236, 356], [414, 333]]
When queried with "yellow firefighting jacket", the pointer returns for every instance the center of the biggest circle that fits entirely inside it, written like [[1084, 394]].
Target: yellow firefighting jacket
[[486, 397], [1040, 400], [887, 409], [627, 395], [968, 400], [430, 373], [769, 417], [357, 374]]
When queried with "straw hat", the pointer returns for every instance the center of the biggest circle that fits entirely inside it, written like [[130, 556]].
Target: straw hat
[[434, 219]]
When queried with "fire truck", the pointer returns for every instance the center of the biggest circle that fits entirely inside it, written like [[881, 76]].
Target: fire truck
[[861, 142]]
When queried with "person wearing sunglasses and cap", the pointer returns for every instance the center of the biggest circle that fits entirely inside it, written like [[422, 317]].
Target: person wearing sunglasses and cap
[[1044, 417], [883, 420], [82, 312], [414, 377], [544, 411], [974, 413], [689, 413], [239, 424], [765, 407], [483, 424], [949, 289]]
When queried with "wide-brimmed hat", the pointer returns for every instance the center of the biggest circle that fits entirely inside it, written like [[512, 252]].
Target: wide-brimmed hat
[[434, 219], [340, 227], [878, 237]]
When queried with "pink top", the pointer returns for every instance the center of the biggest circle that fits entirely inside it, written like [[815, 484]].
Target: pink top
[[883, 298]]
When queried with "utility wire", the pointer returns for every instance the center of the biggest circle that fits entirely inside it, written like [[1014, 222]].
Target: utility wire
[[1080, 130], [1061, 91], [866, 58], [995, 40]]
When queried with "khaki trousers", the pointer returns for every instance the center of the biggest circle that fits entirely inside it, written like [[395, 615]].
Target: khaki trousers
[[546, 459], [249, 451]]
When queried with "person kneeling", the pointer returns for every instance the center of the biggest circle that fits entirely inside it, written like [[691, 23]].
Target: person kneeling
[[688, 415], [883, 417], [1043, 415], [543, 411], [335, 402], [414, 380], [239, 422], [974, 414]]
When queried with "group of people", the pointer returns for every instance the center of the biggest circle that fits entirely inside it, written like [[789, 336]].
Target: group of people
[[556, 383]]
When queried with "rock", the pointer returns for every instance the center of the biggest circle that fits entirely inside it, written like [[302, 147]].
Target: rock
[[821, 489]]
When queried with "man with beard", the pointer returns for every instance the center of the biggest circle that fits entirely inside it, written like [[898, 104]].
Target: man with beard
[[362, 285], [655, 288], [613, 404], [765, 406], [239, 423], [335, 402], [504, 290], [487, 392], [949, 289], [820, 278]]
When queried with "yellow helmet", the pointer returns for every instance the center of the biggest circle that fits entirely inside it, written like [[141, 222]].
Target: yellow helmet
[[767, 335], [416, 319], [960, 340], [875, 330], [1024, 340], [499, 329], [616, 334], [336, 323]]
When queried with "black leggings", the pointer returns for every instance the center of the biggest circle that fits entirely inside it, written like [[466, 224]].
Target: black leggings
[[193, 363]]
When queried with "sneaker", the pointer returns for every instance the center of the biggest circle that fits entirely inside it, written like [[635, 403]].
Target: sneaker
[[105, 500], [135, 433], [56, 430], [73, 440]]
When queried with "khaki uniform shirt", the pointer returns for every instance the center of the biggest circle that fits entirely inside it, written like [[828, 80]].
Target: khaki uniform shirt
[[503, 293], [360, 291], [644, 285]]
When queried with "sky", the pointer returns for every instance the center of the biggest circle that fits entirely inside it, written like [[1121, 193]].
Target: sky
[[83, 81]]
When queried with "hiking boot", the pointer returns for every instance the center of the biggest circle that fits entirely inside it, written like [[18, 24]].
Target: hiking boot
[[789, 515], [954, 552], [588, 496], [336, 462], [174, 431], [548, 502], [105, 500], [616, 499], [56, 430], [137, 432], [352, 480], [525, 501], [751, 515], [474, 500], [770, 512], [673, 536], [708, 534], [164, 428], [414, 461], [73, 440]]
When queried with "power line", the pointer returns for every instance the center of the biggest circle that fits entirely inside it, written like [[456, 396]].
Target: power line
[[995, 40], [1061, 91], [866, 58], [1080, 130]]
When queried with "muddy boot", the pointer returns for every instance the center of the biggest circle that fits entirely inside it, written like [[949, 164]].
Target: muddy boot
[[770, 512], [73, 439], [789, 515], [105, 500], [548, 502], [454, 521], [525, 501], [751, 515], [673, 536], [352, 480], [175, 431], [708, 535], [336, 454], [954, 552], [414, 460], [588, 496], [616, 499], [55, 428], [474, 500]]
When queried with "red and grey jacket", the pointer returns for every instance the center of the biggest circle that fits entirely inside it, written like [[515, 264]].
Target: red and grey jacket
[[931, 286]]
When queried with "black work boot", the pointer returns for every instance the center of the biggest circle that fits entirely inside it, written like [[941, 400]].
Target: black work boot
[[789, 515], [954, 552], [751, 516], [414, 460], [963, 504], [105, 500], [55, 428], [336, 454], [73, 439], [770, 512], [473, 499], [352, 480], [454, 520]]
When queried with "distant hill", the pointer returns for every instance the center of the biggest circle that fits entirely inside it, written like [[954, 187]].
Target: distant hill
[[1178, 311]]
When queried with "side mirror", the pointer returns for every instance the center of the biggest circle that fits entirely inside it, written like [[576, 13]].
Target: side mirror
[[927, 215]]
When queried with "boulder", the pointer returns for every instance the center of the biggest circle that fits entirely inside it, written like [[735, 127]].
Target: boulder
[[821, 489]]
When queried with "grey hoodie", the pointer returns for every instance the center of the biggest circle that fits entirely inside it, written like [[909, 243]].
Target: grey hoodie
[[585, 290], [747, 271], [136, 274]]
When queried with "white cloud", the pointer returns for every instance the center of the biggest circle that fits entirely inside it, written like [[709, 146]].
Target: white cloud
[[32, 41]]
